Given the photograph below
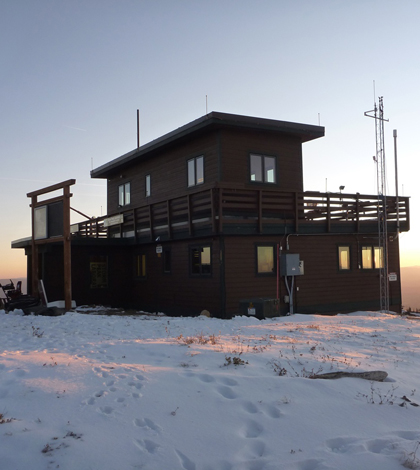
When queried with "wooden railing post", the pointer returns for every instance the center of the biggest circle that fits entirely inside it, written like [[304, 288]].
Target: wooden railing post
[[357, 214], [328, 214]]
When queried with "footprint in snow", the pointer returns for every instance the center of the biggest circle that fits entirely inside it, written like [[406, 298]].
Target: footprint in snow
[[147, 424], [227, 392], [228, 381], [146, 445], [107, 410], [206, 378], [186, 463], [252, 430]]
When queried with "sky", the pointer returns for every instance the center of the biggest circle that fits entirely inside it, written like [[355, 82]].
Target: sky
[[105, 392], [74, 73]]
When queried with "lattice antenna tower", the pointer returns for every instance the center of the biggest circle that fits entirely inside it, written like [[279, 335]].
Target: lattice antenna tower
[[381, 257]]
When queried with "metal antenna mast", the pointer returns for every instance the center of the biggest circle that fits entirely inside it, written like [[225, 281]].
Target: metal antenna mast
[[381, 257]]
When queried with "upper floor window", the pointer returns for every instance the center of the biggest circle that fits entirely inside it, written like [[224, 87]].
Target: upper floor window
[[147, 184], [124, 194], [343, 258], [262, 168], [195, 171], [372, 257]]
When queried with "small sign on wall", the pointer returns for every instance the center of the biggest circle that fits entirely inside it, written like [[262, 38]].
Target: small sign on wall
[[114, 220], [159, 249], [392, 277]]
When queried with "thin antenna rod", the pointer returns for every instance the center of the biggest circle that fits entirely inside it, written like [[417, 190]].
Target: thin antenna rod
[[138, 128], [206, 105]]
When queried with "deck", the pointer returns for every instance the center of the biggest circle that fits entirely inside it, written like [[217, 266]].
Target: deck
[[231, 209]]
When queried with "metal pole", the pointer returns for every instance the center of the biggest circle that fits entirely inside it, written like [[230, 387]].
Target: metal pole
[[138, 128], [396, 182]]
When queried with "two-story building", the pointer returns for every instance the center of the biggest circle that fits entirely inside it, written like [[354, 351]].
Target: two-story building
[[201, 218]]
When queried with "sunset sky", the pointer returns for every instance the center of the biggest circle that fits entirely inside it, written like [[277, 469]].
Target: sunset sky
[[73, 74]]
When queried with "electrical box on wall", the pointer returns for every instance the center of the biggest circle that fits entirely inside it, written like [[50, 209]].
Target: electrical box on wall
[[290, 265]]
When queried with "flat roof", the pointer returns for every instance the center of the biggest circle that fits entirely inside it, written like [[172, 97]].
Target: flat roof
[[305, 132]]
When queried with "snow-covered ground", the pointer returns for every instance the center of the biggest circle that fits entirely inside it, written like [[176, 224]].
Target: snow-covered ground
[[101, 392]]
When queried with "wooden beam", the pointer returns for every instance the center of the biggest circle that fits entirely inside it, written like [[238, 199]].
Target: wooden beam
[[67, 248], [51, 188]]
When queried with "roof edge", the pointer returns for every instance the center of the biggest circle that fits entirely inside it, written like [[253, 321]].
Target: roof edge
[[307, 132]]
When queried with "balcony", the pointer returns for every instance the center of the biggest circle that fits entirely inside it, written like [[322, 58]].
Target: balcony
[[234, 209]]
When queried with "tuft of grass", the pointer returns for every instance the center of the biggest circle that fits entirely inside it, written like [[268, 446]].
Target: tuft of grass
[[199, 338], [4, 420], [412, 461], [235, 360], [37, 332]]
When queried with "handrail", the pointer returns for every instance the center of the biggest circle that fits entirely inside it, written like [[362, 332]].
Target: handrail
[[222, 205]]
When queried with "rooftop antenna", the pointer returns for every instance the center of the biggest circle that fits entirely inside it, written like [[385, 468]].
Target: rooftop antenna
[[206, 104], [378, 115], [138, 128]]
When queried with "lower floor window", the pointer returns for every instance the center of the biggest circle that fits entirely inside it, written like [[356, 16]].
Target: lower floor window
[[200, 260], [343, 258], [98, 272], [265, 259], [140, 268], [167, 264], [372, 257]]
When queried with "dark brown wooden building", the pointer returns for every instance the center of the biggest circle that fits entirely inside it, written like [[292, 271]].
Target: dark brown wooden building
[[203, 218]]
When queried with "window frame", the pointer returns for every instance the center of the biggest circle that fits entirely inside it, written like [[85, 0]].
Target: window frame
[[199, 249], [122, 194], [271, 273], [340, 268], [192, 171], [263, 168]]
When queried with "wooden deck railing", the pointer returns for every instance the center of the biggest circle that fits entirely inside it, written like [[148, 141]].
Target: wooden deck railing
[[228, 208]]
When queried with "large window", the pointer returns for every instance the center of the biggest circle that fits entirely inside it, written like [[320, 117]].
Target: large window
[[195, 171], [343, 258], [372, 257], [265, 259], [262, 168], [200, 260], [124, 194]]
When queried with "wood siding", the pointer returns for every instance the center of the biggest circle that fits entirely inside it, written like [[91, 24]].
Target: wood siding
[[168, 172], [237, 145]]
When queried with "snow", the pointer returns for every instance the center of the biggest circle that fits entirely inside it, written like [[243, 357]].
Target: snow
[[106, 392]]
